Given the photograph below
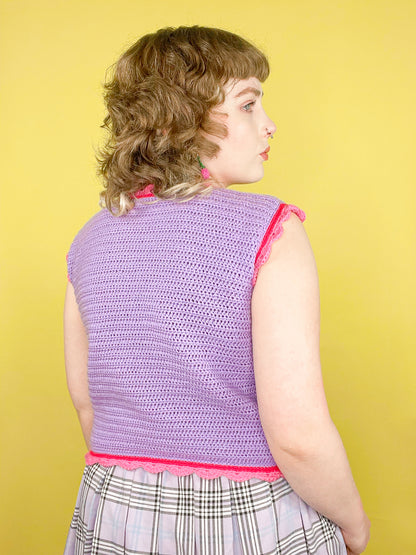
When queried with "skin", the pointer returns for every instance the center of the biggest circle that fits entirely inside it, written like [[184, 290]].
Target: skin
[[291, 398], [249, 129], [285, 331]]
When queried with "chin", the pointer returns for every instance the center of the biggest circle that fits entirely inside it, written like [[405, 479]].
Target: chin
[[256, 176], [252, 177]]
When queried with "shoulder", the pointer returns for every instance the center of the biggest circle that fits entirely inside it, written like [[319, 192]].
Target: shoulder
[[263, 204], [96, 219], [256, 209], [289, 263], [249, 199]]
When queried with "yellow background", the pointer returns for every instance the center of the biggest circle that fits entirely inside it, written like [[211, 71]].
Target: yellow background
[[342, 93]]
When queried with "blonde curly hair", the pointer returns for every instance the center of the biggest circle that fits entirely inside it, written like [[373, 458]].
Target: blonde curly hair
[[161, 95]]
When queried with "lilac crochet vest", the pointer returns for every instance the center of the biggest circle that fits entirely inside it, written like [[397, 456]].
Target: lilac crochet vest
[[165, 296]]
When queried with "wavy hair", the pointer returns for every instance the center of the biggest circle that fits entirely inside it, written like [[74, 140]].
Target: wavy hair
[[160, 98]]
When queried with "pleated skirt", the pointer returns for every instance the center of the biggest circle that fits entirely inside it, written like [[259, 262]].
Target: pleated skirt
[[121, 511]]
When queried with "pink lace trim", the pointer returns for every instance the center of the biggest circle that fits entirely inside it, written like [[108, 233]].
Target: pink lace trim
[[182, 468], [273, 232]]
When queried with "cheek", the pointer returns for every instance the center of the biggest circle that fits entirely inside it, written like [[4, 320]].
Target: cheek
[[243, 132]]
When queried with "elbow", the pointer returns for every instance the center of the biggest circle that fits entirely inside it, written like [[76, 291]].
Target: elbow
[[82, 403], [84, 409], [79, 392], [300, 441], [295, 449], [287, 446]]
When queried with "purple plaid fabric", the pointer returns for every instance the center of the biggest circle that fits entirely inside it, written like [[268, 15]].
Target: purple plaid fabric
[[133, 512]]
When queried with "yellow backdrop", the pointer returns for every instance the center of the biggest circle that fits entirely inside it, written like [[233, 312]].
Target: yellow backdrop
[[342, 92]]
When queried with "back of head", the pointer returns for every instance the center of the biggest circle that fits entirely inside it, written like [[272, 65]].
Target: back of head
[[159, 100]]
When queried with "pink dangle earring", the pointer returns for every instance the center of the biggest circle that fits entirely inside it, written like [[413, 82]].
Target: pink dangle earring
[[204, 170]]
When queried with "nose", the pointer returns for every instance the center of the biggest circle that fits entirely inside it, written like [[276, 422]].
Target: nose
[[270, 127]]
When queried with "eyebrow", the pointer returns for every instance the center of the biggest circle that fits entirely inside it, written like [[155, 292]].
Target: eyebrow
[[250, 90]]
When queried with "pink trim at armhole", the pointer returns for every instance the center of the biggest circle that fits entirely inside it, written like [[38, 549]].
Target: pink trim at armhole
[[184, 468], [273, 232]]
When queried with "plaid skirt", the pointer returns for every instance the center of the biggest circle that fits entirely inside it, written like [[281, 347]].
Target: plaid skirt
[[130, 512]]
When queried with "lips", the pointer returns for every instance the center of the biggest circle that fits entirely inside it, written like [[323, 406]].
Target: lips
[[264, 154]]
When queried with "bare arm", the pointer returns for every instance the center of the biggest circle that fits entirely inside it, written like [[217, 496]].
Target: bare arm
[[292, 403], [76, 361]]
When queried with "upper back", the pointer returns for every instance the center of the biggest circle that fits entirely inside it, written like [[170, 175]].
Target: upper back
[[165, 296]]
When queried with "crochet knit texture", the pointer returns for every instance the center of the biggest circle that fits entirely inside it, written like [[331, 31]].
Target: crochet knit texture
[[165, 296]]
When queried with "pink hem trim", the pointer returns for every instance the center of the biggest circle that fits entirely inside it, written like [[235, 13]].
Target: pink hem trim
[[184, 468], [274, 231]]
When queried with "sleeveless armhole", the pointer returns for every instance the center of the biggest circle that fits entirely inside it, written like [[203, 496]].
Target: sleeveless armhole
[[273, 232], [67, 265], [71, 257], [70, 260]]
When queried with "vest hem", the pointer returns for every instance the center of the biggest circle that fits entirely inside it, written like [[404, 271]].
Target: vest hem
[[184, 468]]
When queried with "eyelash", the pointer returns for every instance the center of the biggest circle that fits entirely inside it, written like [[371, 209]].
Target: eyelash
[[248, 104]]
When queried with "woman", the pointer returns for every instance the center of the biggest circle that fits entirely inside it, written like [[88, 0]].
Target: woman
[[192, 326]]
